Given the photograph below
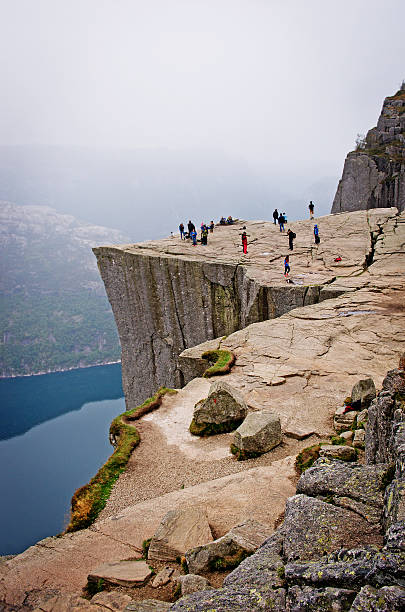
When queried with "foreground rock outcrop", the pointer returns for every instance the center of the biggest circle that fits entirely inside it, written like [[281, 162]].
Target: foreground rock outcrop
[[342, 543], [374, 174]]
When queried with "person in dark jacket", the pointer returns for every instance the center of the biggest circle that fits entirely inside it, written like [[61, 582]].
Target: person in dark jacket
[[181, 230], [291, 237], [281, 222], [191, 227], [275, 216]]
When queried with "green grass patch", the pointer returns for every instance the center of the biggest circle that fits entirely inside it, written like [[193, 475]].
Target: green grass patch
[[338, 441], [212, 429], [307, 457], [220, 361], [89, 500]]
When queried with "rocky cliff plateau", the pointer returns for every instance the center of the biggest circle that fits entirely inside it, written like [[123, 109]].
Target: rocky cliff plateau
[[374, 174], [345, 322], [168, 296]]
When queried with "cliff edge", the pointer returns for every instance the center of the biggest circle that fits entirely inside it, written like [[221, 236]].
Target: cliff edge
[[374, 174]]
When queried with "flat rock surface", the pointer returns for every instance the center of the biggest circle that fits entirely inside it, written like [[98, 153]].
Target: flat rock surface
[[180, 530], [123, 573]]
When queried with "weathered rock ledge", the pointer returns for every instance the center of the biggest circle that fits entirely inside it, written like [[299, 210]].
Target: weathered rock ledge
[[168, 296]]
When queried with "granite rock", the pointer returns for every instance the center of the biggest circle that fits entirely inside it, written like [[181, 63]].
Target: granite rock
[[386, 599], [223, 410], [191, 583], [309, 599], [258, 434], [228, 551], [363, 394], [337, 451], [179, 530], [122, 573]]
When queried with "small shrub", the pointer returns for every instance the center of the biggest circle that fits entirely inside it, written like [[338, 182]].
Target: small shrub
[[221, 362], [95, 587], [229, 561], [145, 548]]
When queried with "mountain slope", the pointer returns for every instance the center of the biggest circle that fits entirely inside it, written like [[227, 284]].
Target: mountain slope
[[54, 312]]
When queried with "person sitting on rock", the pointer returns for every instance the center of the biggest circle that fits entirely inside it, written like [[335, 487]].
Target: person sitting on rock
[[229, 220], [222, 221]]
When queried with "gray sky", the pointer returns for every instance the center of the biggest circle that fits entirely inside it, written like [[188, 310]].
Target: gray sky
[[275, 82]]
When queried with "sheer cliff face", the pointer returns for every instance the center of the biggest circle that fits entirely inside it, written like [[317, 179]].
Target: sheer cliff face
[[168, 296], [163, 305], [374, 175]]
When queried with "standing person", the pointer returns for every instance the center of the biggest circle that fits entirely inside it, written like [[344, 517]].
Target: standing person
[[181, 230], [316, 234], [204, 235], [244, 240], [286, 265], [291, 237], [193, 236], [281, 222], [212, 225], [275, 216], [311, 210], [191, 227]]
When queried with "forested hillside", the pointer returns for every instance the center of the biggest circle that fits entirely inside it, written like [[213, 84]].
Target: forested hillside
[[54, 312]]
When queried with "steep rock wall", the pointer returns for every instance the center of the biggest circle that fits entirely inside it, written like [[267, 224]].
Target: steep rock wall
[[374, 174], [163, 305]]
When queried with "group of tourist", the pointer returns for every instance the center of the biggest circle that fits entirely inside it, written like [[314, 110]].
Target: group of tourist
[[280, 218], [192, 232]]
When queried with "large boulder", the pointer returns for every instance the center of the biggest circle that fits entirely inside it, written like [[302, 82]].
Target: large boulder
[[264, 568], [350, 485], [228, 551], [336, 451], [233, 599], [387, 599], [313, 528], [363, 394], [222, 411], [258, 434], [319, 600], [179, 531]]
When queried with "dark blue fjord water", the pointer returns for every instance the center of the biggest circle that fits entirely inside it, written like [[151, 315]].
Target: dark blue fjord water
[[53, 439]]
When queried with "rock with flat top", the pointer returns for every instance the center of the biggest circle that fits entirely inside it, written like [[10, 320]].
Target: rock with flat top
[[386, 599], [228, 551], [336, 451], [123, 573], [162, 577], [179, 531], [222, 411], [190, 583], [258, 434], [347, 435]]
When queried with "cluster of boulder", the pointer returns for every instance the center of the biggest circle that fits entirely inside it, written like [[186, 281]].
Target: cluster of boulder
[[225, 410], [341, 546]]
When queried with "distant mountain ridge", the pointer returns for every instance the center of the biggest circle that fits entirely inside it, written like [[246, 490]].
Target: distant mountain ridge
[[54, 312]]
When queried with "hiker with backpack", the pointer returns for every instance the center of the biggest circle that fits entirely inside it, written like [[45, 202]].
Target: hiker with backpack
[[291, 237]]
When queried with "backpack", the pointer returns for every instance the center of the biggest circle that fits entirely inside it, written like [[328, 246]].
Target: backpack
[[293, 235]]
